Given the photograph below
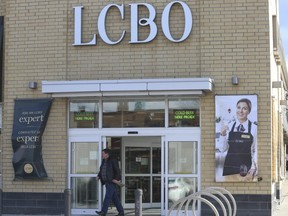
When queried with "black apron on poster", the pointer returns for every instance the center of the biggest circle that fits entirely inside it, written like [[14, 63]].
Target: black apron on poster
[[238, 158]]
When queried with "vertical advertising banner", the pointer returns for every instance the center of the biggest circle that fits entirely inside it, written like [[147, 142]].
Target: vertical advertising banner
[[30, 118], [236, 138]]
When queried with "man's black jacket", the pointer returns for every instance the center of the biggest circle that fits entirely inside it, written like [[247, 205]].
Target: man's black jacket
[[112, 170]]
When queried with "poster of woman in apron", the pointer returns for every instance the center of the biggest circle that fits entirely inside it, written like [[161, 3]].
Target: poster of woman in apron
[[236, 138]]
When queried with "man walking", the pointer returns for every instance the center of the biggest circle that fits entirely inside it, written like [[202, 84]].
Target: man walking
[[110, 176]]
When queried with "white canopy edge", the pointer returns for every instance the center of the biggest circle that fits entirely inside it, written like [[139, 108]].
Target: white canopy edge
[[168, 86]]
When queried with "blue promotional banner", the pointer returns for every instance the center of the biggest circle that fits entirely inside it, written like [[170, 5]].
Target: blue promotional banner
[[30, 119]]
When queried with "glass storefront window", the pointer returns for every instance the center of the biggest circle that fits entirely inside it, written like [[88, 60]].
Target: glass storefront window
[[84, 114], [184, 113], [142, 112], [183, 157], [133, 113], [84, 158], [85, 193]]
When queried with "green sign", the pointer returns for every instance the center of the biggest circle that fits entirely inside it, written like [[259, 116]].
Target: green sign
[[184, 114], [84, 116]]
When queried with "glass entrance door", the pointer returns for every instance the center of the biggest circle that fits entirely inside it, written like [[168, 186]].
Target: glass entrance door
[[142, 170], [83, 167]]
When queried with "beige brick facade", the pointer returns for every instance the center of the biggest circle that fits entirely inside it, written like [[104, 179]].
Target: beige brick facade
[[228, 38], [39, 38], [2, 7]]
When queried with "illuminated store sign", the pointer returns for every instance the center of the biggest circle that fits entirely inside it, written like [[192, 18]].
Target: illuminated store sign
[[84, 116], [135, 23], [184, 114]]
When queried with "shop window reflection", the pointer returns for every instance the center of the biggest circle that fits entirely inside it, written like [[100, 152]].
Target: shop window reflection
[[180, 187], [133, 113]]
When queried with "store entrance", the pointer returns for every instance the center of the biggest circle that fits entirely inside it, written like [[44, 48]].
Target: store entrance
[[165, 167]]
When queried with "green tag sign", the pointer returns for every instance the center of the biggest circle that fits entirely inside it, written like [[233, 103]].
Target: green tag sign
[[184, 114], [84, 116]]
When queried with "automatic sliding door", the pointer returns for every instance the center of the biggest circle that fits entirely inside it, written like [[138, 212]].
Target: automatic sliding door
[[143, 171]]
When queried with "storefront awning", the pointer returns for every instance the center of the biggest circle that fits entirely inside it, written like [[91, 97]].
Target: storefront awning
[[180, 86]]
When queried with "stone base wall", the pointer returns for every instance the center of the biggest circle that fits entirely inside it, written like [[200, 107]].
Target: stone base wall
[[33, 203]]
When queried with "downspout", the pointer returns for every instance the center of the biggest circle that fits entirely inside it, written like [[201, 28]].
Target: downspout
[[1, 98]]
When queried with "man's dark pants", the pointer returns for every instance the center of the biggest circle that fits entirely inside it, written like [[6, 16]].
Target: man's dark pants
[[111, 195]]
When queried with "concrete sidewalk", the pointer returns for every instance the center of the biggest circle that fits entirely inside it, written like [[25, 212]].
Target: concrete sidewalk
[[282, 208]]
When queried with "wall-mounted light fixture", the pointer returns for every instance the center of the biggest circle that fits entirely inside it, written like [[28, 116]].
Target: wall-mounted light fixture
[[235, 80], [283, 102], [277, 84], [32, 85]]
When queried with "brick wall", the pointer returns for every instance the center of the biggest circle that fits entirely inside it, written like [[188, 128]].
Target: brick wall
[[2, 7], [235, 40]]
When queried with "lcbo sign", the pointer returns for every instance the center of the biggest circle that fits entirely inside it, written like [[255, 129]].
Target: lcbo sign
[[134, 24]]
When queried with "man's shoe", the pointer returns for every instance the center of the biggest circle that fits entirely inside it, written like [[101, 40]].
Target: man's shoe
[[101, 213], [120, 214]]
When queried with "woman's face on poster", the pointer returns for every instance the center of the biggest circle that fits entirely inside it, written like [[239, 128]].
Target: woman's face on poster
[[242, 111]]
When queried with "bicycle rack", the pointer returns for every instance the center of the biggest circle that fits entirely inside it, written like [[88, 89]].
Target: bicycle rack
[[212, 192]]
